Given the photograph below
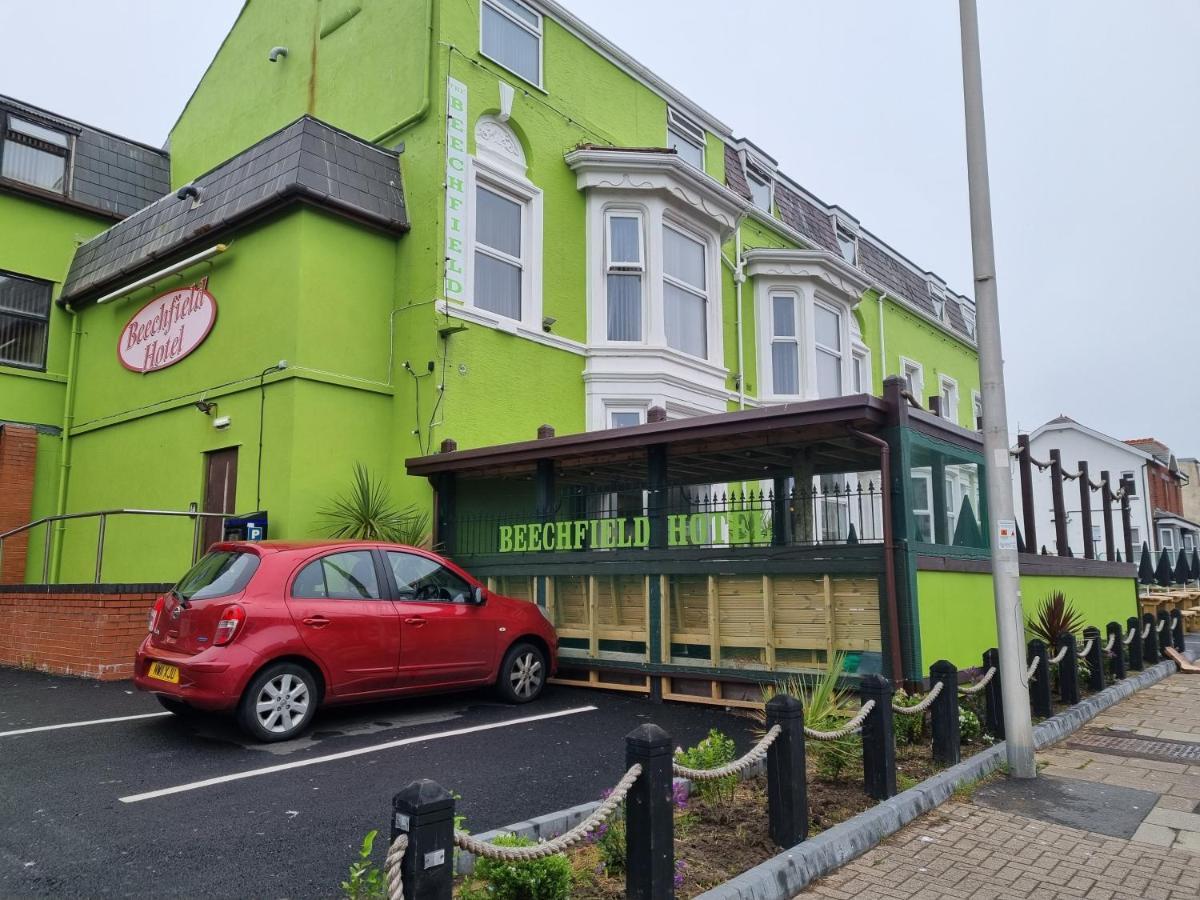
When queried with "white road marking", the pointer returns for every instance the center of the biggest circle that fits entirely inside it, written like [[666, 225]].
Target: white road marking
[[346, 754], [153, 715]]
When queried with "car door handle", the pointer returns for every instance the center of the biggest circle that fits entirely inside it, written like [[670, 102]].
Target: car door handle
[[415, 621], [316, 621]]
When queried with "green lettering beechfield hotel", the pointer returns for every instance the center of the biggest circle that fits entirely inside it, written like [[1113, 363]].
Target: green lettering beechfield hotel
[[628, 368]]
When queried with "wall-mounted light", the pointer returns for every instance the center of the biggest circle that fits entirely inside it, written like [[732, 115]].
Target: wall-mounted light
[[548, 323], [205, 406]]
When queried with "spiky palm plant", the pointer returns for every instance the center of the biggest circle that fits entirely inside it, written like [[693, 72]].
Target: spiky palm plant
[[367, 513], [1055, 618]]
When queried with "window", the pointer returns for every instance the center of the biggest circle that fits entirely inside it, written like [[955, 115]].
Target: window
[[24, 321], [760, 189], [499, 263], [922, 505], [968, 314], [1166, 538], [939, 308], [848, 245], [685, 292], [914, 378], [785, 345], [35, 155], [686, 138], [948, 392], [339, 576], [976, 410], [1135, 537], [421, 578], [1132, 483], [1097, 540], [624, 418], [1189, 541], [860, 372], [827, 333], [511, 34], [217, 574], [625, 265]]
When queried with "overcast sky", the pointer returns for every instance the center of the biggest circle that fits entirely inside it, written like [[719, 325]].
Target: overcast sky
[[1093, 127]]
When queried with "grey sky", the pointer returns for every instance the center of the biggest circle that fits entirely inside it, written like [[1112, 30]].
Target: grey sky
[[1092, 122]]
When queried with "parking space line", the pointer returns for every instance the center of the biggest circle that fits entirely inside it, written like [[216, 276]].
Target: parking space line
[[346, 754], [14, 733]]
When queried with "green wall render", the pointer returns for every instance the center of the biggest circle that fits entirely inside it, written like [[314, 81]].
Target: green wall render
[[958, 621]]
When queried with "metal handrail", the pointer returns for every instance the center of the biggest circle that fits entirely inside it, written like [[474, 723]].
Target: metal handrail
[[103, 515]]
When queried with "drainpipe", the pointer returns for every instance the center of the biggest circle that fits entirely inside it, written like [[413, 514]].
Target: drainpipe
[[64, 463], [879, 295], [889, 562], [423, 109], [739, 277]]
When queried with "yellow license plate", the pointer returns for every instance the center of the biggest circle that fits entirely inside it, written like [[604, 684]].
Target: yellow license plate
[[164, 672]]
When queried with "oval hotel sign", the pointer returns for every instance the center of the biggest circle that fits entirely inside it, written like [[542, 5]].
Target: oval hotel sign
[[167, 329]]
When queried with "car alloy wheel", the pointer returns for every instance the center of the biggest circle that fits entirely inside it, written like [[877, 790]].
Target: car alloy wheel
[[525, 675], [282, 703]]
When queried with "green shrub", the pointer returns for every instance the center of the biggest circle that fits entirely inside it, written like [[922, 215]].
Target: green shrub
[[908, 729], [713, 752], [827, 706], [610, 840], [969, 729], [366, 881], [539, 879]]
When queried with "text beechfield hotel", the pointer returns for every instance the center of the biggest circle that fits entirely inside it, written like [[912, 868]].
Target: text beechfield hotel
[[632, 371]]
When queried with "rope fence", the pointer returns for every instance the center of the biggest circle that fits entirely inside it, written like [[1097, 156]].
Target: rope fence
[[391, 867], [852, 727], [980, 684], [918, 708], [1085, 649], [1059, 656], [756, 753]]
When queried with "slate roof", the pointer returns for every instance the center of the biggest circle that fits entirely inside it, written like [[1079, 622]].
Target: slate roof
[[110, 174], [306, 161]]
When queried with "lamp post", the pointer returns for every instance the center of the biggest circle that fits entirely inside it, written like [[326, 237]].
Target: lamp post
[[1010, 621]]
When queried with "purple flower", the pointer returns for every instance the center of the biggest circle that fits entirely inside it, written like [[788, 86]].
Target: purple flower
[[680, 866], [679, 795]]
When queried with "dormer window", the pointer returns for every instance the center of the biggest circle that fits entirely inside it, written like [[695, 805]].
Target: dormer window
[[35, 155], [686, 138], [968, 313], [847, 244], [939, 308], [760, 188]]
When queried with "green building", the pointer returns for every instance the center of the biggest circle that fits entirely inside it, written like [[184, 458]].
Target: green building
[[390, 225]]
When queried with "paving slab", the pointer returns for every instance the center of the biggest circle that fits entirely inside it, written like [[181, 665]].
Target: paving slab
[[1087, 805]]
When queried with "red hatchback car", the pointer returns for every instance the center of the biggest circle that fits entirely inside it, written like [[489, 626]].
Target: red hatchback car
[[273, 630]]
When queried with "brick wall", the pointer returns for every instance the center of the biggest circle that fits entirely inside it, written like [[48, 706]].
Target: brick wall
[[91, 631], [18, 457]]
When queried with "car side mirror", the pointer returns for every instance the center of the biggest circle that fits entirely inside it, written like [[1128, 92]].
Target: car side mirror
[[478, 596]]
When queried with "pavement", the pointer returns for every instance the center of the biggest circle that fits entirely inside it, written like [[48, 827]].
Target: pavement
[[104, 795], [1115, 813]]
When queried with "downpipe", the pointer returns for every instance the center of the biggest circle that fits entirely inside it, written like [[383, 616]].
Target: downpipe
[[64, 462]]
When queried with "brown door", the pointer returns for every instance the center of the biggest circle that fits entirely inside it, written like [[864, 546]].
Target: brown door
[[220, 491]]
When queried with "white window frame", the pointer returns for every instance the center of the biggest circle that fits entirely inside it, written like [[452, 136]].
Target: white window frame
[[623, 406], [917, 389], [626, 268], [1189, 541], [688, 131], [519, 190], [754, 175], [840, 233], [860, 369], [539, 33], [710, 277], [946, 382], [840, 354], [1166, 538], [1097, 541], [968, 314], [925, 509], [1132, 477], [976, 410], [1135, 538], [768, 364]]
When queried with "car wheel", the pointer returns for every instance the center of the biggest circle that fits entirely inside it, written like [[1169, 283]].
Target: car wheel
[[177, 707], [279, 703], [522, 674]]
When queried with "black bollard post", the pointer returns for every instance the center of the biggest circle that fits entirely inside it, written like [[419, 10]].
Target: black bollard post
[[649, 819], [1068, 671], [1135, 644], [425, 812], [878, 738], [1116, 634], [1039, 682], [1177, 629], [787, 780], [993, 704], [1150, 639], [943, 714], [1095, 658], [1166, 639]]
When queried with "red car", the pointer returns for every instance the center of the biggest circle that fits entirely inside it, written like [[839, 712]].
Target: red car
[[273, 630]]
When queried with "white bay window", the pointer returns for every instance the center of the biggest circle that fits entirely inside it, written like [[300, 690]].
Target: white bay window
[[625, 266], [685, 292], [785, 345], [828, 342]]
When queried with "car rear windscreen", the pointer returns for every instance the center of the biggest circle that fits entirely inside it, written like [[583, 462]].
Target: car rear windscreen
[[218, 574]]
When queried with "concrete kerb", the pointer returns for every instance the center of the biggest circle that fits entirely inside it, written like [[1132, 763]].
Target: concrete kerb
[[785, 875]]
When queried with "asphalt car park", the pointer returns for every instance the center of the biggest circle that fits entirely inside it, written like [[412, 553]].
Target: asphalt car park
[[103, 794]]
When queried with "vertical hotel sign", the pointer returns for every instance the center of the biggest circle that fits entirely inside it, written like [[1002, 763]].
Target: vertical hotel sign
[[456, 189]]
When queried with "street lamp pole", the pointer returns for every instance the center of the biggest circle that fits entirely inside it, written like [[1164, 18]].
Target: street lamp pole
[[1006, 579]]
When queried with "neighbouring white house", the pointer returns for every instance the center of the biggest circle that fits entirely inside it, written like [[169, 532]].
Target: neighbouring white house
[[1156, 504]]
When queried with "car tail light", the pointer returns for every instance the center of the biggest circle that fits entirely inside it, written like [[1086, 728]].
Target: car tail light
[[227, 627], [155, 612]]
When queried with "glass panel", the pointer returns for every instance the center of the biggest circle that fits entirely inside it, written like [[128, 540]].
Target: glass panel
[[625, 239], [421, 578], [828, 326], [624, 307], [625, 419], [785, 367], [860, 373], [497, 286], [22, 341], [683, 258], [689, 152], [350, 576], [498, 222], [783, 316], [760, 193], [24, 296], [848, 247], [48, 135], [217, 574], [521, 11], [686, 320], [829, 374], [511, 45], [33, 166]]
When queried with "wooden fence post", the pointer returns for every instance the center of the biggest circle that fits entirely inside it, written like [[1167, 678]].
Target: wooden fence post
[[787, 778], [1085, 510], [1028, 512], [1061, 545]]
